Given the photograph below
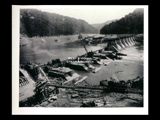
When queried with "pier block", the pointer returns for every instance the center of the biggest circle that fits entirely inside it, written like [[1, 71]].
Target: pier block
[[118, 47], [123, 46], [124, 41]]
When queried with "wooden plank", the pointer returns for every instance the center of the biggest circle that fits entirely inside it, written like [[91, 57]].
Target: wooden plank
[[81, 80], [75, 87]]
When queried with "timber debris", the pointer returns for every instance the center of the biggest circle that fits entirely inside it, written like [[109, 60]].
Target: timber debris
[[58, 85]]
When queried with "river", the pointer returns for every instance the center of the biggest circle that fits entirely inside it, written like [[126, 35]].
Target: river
[[42, 50]]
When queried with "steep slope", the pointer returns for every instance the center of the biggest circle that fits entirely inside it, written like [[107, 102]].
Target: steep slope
[[130, 24], [37, 23]]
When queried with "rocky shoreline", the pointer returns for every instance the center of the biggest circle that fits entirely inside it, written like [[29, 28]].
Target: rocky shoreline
[[133, 97]]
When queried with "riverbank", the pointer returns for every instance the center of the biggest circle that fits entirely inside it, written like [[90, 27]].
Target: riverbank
[[125, 69], [93, 98], [128, 68], [42, 50]]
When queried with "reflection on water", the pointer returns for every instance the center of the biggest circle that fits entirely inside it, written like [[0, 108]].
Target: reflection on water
[[41, 52]]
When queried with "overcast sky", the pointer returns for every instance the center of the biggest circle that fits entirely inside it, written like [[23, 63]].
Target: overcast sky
[[90, 13]]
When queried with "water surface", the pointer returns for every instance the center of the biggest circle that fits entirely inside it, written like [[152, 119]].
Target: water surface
[[42, 50]]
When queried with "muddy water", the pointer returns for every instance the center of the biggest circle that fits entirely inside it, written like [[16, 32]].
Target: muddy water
[[41, 51]]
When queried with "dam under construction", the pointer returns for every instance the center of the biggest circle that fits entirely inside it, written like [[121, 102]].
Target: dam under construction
[[91, 71]]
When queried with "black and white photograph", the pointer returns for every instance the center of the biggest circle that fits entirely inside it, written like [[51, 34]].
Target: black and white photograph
[[68, 58]]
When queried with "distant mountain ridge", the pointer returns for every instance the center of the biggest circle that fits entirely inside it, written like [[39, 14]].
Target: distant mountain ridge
[[130, 24], [34, 22], [100, 25]]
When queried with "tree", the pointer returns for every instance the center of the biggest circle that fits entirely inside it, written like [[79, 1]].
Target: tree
[[37, 23], [130, 24]]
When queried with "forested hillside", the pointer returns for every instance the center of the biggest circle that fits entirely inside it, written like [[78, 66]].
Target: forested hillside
[[37, 23], [130, 24], [100, 25]]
